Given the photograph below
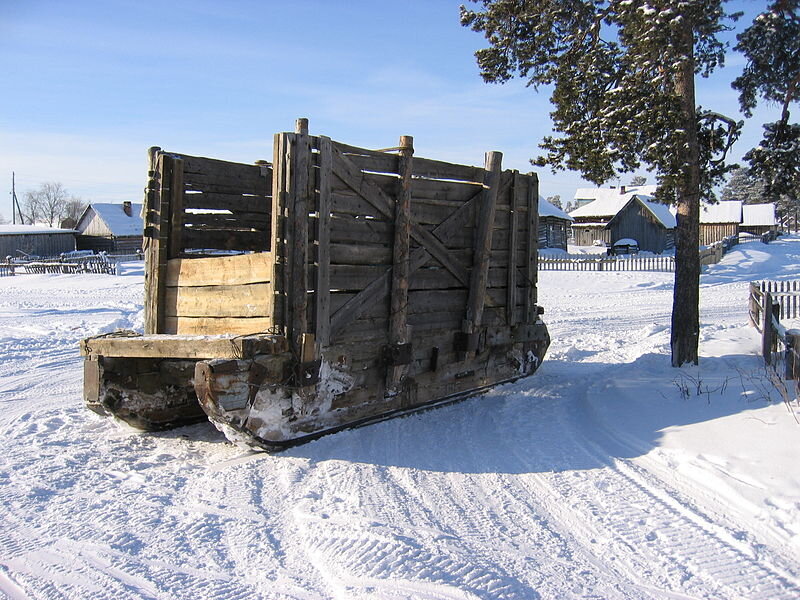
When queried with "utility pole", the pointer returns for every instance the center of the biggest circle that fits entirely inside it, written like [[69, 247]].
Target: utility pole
[[15, 202]]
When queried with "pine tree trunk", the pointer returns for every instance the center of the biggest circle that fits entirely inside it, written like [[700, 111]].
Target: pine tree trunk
[[686, 297]]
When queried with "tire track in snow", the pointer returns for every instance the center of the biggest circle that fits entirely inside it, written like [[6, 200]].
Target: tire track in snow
[[682, 550]]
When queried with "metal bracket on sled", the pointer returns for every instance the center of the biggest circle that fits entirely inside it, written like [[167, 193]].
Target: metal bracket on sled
[[395, 355], [469, 342], [307, 373]]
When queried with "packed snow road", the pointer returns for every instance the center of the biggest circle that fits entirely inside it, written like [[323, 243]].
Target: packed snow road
[[608, 474]]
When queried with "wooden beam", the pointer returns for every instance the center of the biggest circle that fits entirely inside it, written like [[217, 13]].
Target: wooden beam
[[157, 249], [323, 284], [176, 210], [401, 272], [240, 269], [533, 248], [184, 346], [518, 196], [300, 164], [483, 243]]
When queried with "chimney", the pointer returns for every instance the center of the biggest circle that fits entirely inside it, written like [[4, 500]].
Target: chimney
[[621, 190], [126, 207]]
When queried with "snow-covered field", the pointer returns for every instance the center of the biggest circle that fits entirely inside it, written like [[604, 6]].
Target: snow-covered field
[[608, 474]]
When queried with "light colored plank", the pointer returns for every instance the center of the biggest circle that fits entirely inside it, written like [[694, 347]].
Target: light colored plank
[[216, 325], [224, 270], [219, 301]]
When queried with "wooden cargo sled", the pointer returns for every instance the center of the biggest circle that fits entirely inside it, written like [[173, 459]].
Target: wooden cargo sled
[[333, 287]]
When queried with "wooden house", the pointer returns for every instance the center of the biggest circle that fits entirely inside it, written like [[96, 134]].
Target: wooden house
[[114, 228], [718, 221], [34, 240], [597, 207], [355, 285], [651, 224], [554, 226], [758, 218]]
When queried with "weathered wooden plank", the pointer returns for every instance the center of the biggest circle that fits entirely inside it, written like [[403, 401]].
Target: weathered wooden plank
[[360, 254], [219, 220], [445, 191], [176, 210], [377, 163], [216, 325], [517, 197], [227, 239], [324, 253], [483, 243], [350, 230], [533, 247], [215, 166], [224, 270], [158, 247], [436, 169], [347, 203], [398, 313], [299, 201], [253, 203], [250, 300], [151, 242], [232, 174], [184, 346]]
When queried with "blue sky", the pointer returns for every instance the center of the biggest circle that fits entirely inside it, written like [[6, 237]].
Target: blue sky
[[88, 86]]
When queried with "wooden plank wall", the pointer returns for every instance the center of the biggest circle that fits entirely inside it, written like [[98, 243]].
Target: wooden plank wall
[[351, 249], [196, 211]]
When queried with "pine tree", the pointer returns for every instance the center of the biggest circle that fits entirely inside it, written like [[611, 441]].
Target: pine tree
[[744, 186], [622, 74], [772, 73]]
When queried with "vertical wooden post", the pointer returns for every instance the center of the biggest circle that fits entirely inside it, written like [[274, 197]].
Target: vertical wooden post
[[279, 229], [533, 248], [516, 198], [176, 209], [398, 316], [767, 330], [156, 263], [298, 206], [323, 285], [792, 358], [483, 243]]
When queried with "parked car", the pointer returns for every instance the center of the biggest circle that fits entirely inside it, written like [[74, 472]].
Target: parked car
[[624, 246]]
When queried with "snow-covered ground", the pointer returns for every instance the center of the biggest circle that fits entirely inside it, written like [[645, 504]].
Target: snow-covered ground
[[608, 474]]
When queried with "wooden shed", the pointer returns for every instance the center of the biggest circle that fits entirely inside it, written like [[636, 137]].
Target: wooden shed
[[34, 240], [111, 227], [651, 224], [336, 286], [720, 220], [758, 218], [554, 226], [596, 208]]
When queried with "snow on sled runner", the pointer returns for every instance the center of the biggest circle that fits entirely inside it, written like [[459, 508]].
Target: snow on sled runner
[[334, 287]]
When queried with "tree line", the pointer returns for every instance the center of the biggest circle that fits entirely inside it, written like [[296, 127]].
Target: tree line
[[50, 204]]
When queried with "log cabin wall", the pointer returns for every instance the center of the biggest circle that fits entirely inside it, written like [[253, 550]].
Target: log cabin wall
[[207, 241], [400, 268]]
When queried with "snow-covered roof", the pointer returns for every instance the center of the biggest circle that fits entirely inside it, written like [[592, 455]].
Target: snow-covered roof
[[661, 212], [609, 201], [8, 229], [758, 214], [729, 211], [548, 210], [120, 224]]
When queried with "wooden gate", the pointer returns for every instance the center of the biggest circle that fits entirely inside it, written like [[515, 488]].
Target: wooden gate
[[400, 268]]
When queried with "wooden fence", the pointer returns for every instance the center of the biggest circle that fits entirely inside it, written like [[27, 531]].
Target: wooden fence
[[588, 262], [780, 347], [6, 269], [584, 262]]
